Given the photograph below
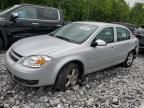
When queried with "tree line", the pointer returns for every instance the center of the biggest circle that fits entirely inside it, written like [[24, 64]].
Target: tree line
[[90, 10]]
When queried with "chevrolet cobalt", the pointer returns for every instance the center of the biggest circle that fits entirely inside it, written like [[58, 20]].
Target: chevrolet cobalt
[[64, 56]]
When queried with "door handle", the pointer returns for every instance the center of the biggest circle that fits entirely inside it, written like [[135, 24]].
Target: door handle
[[112, 47], [35, 23]]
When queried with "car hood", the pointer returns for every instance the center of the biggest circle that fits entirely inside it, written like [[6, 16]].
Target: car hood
[[40, 45]]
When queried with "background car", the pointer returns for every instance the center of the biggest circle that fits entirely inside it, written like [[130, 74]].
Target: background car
[[67, 54], [140, 35], [26, 20], [130, 26]]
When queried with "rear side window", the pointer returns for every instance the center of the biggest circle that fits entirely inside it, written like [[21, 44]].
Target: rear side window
[[107, 35], [48, 14], [122, 34], [27, 12]]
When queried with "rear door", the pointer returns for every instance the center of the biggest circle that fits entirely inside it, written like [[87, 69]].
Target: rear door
[[123, 43], [50, 19]]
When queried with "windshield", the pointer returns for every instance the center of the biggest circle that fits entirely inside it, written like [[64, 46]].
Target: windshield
[[75, 32], [8, 9]]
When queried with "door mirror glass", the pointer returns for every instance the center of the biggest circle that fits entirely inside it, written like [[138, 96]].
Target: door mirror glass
[[14, 16], [100, 42]]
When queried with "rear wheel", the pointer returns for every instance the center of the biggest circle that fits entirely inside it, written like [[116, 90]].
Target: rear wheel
[[129, 61], [1, 44], [68, 76]]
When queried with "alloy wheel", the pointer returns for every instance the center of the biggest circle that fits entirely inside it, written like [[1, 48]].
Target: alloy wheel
[[72, 77], [130, 59]]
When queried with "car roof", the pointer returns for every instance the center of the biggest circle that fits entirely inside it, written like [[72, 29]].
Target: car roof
[[100, 24], [27, 4]]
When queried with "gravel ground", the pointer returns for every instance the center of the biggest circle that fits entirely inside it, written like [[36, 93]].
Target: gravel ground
[[115, 87]]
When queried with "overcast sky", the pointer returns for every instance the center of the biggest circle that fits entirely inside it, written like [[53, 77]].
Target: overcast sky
[[132, 2]]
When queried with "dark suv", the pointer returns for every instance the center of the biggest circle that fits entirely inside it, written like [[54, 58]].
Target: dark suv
[[26, 20]]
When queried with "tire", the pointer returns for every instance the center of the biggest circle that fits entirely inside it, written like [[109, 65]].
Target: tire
[[129, 60], [1, 44], [68, 77]]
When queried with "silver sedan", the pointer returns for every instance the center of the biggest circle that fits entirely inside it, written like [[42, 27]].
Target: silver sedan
[[64, 56]]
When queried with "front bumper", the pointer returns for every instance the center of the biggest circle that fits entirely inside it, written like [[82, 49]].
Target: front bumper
[[30, 76]]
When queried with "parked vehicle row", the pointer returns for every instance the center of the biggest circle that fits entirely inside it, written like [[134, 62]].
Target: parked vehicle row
[[67, 54], [60, 56], [27, 20]]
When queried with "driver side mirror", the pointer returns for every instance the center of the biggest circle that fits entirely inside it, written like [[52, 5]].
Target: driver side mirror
[[14, 16], [98, 42]]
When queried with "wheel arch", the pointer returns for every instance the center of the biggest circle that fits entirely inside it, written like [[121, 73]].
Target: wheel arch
[[134, 50], [76, 61]]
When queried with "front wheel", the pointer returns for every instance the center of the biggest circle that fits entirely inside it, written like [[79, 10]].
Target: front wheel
[[68, 76], [129, 61]]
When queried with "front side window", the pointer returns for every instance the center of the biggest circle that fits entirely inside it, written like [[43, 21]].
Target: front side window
[[27, 12], [75, 32], [48, 14], [107, 35], [122, 34]]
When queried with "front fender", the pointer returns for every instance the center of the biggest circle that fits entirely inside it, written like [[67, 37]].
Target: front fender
[[62, 62]]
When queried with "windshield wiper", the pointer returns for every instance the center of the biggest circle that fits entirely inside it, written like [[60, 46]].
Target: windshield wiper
[[63, 38], [66, 39], [51, 34]]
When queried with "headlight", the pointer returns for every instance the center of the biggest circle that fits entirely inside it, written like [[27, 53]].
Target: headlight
[[36, 61]]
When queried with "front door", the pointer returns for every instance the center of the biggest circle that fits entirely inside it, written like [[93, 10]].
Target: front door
[[25, 25], [100, 57]]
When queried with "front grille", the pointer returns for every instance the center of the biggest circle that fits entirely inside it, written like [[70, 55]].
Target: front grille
[[14, 56], [18, 55], [24, 81]]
